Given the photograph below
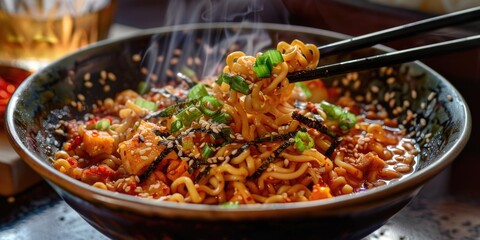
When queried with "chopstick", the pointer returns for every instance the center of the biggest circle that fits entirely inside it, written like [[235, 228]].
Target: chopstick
[[409, 29], [397, 57], [386, 59]]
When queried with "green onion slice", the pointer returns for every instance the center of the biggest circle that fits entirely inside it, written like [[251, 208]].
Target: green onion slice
[[303, 141], [207, 151], [264, 63], [189, 115], [146, 104], [197, 91], [102, 125], [346, 119], [222, 117], [176, 126], [236, 82], [209, 105], [143, 87]]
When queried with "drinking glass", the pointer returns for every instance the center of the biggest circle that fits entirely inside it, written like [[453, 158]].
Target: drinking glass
[[33, 33]]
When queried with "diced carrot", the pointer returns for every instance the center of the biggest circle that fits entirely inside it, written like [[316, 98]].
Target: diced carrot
[[320, 192]]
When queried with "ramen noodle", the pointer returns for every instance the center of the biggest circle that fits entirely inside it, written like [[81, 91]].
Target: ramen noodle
[[248, 136]]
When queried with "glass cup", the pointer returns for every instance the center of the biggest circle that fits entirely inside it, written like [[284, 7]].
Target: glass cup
[[36, 32], [33, 33]]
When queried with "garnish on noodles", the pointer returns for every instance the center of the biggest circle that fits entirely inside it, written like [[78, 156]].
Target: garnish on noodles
[[248, 136]]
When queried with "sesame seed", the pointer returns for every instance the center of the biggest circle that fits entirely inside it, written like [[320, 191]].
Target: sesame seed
[[449, 98], [144, 70], [86, 77], [106, 88], [414, 94], [136, 57], [112, 77], [154, 77], [174, 61], [423, 122], [88, 84], [103, 74], [234, 151], [81, 97], [390, 80], [391, 103], [197, 61], [169, 73], [144, 157], [423, 105], [374, 89], [431, 96]]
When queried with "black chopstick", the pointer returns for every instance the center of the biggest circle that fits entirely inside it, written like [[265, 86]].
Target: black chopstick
[[410, 29], [386, 59]]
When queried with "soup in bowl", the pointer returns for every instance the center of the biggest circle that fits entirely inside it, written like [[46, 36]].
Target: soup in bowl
[[196, 127]]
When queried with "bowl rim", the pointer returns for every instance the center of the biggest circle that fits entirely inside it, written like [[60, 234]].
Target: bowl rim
[[84, 190]]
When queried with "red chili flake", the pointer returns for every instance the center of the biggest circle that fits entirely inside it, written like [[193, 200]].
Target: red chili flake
[[98, 174], [72, 161], [74, 143]]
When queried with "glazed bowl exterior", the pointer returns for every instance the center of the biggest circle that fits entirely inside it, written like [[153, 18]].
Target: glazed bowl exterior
[[46, 97]]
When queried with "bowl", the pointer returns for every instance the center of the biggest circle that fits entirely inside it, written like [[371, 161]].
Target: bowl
[[441, 127]]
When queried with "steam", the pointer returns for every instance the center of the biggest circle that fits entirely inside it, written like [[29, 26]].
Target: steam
[[204, 50]]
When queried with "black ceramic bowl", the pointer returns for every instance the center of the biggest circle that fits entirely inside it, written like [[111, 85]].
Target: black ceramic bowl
[[442, 126]]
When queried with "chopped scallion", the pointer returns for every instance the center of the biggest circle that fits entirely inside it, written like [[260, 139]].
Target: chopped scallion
[[346, 120], [146, 104], [102, 125], [303, 141], [143, 87], [207, 151], [264, 63], [197, 91], [222, 117], [176, 126], [236, 82], [189, 115], [209, 105]]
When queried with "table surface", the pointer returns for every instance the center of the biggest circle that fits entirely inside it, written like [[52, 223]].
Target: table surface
[[448, 207]]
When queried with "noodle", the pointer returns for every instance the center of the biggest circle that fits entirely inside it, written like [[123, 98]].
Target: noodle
[[264, 148]]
